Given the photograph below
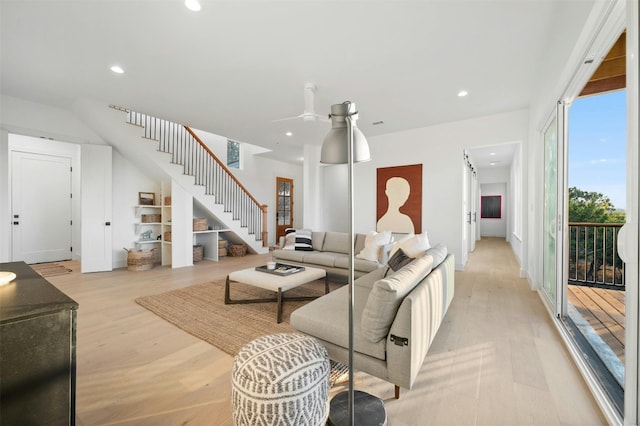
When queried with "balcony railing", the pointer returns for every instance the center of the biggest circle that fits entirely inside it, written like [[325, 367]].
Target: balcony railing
[[593, 255]]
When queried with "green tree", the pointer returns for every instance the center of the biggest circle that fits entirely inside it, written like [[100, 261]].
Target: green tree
[[591, 207], [593, 246]]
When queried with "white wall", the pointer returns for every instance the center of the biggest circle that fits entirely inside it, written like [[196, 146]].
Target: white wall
[[495, 227], [516, 206], [42, 123], [496, 181], [258, 174], [439, 149], [127, 182], [28, 118]]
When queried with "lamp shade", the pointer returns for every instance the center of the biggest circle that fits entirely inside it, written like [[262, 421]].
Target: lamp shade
[[335, 145]]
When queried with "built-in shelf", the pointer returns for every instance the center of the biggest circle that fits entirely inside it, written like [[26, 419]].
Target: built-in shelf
[[209, 231], [143, 227]]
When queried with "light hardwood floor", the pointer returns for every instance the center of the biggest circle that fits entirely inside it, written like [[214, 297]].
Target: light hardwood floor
[[497, 359]]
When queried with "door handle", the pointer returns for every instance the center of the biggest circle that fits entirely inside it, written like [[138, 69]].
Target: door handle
[[16, 223]]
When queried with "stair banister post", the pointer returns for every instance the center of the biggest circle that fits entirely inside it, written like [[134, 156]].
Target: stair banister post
[[264, 225]]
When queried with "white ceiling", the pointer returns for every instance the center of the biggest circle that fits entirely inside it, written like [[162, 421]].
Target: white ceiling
[[495, 156], [237, 65]]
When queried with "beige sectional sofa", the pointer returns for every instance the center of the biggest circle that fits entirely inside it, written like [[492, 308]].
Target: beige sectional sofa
[[397, 315], [330, 251]]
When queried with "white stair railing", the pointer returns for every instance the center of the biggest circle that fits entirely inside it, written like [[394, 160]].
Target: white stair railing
[[189, 151]]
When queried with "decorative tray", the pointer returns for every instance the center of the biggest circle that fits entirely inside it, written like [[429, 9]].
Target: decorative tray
[[281, 269]]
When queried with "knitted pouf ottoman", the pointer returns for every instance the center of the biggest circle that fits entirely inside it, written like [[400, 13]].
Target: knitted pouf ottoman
[[280, 379]]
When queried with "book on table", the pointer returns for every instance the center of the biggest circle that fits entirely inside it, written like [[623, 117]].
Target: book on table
[[281, 269]]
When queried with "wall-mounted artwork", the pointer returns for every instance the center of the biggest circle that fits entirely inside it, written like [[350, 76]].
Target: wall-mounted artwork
[[399, 199], [491, 207]]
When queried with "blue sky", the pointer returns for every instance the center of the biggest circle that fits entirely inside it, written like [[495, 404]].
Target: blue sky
[[597, 145]]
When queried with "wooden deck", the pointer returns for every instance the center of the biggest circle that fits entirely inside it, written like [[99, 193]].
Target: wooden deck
[[604, 311]]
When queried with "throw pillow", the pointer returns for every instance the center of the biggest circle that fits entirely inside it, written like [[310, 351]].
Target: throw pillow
[[386, 296], [372, 245], [398, 260], [396, 244], [415, 245], [303, 240], [289, 239]]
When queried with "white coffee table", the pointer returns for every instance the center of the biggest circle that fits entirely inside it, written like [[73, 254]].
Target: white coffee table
[[276, 283]]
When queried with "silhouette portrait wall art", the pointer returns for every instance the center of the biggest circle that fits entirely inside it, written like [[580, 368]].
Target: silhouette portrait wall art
[[399, 199]]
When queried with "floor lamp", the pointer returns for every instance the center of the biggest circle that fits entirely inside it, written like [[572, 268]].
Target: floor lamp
[[345, 144]]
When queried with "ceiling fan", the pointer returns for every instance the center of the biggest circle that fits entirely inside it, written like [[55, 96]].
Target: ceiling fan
[[309, 111]]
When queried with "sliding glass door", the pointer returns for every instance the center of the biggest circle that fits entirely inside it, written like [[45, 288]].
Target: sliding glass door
[[554, 210]]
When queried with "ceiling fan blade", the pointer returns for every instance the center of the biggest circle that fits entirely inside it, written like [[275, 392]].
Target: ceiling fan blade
[[317, 117], [309, 110]]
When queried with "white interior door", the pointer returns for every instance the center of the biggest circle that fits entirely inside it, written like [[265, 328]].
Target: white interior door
[[95, 209], [474, 210], [41, 207], [466, 211]]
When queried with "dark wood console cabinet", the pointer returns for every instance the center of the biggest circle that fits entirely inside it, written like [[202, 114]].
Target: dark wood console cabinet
[[37, 351]]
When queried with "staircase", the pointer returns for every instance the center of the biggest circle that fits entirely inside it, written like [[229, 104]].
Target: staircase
[[200, 172]]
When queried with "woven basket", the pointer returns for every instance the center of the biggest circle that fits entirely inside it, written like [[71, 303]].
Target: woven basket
[[199, 224], [198, 253], [167, 236], [140, 260], [237, 250], [167, 201], [151, 218], [222, 243], [222, 252]]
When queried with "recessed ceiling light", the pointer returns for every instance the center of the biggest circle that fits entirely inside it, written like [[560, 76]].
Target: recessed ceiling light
[[288, 133], [492, 153], [462, 93], [117, 69], [193, 5]]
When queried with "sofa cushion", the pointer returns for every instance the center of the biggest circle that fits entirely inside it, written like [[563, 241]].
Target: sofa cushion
[[317, 240], [292, 255], [303, 240], [373, 244], [327, 317], [342, 261], [386, 296], [321, 258], [439, 253], [360, 240], [337, 242], [368, 280]]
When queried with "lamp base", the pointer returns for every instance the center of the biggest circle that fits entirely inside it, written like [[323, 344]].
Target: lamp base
[[367, 410]]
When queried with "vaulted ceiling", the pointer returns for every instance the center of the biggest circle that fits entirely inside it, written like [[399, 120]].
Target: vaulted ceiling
[[235, 66]]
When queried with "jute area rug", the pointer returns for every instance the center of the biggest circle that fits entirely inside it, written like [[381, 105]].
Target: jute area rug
[[200, 310]]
